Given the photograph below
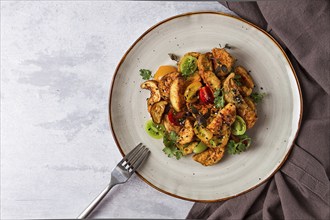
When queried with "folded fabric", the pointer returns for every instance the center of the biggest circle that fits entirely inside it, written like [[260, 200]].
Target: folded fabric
[[300, 189]]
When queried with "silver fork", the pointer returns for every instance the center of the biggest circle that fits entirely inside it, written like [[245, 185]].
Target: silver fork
[[120, 174]]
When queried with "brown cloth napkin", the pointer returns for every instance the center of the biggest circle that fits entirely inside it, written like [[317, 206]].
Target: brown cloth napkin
[[300, 189]]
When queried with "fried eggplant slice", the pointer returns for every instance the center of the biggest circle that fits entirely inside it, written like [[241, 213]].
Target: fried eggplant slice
[[191, 79], [165, 84], [204, 63], [176, 94], [155, 96], [226, 116], [211, 80], [187, 149], [231, 91], [248, 113], [157, 110], [224, 135], [203, 133], [186, 133], [215, 124], [246, 81], [210, 156], [250, 103], [223, 62], [199, 109]]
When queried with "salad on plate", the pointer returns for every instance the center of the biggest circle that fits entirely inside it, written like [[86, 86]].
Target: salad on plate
[[203, 106]]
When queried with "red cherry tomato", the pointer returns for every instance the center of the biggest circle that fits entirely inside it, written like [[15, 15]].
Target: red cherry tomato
[[206, 95], [175, 117]]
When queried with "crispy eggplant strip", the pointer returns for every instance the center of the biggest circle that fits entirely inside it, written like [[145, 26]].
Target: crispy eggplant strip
[[204, 63], [165, 84], [176, 94], [210, 156], [157, 110], [152, 85], [246, 81], [186, 134], [211, 80], [187, 149], [223, 62]]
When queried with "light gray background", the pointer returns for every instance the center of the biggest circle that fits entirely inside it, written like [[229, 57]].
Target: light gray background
[[57, 151]]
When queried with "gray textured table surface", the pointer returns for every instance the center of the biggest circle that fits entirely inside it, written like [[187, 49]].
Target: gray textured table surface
[[57, 151]]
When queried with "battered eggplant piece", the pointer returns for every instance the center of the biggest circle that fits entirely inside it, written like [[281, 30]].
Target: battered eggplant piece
[[152, 85], [165, 84], [186, 134], [246, 82], [223, 62], [176, 94], [226, 115], [204, 62], [211, 80], [157, 110], [210, 157]]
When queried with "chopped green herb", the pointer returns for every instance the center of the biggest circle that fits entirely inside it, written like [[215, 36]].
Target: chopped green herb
[[173, 136], [219, 99], [237, 76], [170, 149], [219, 102], [239, 147], [146, 74], [257, 97], [237, 79], [217, 92]]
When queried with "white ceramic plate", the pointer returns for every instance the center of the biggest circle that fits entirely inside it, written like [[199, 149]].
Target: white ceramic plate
[[279, 113]]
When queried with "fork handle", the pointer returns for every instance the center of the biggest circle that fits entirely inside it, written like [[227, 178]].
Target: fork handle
[[95, 202]]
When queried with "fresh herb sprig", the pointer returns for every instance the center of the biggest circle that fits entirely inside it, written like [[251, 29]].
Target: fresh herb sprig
[[257, 97], [237, 79], [170, 149], [219, 99], [239, 147], [146, 74]]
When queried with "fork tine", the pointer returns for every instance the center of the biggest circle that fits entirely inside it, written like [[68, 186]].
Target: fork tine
[[140, 160], [131, 153], [134, 158]]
